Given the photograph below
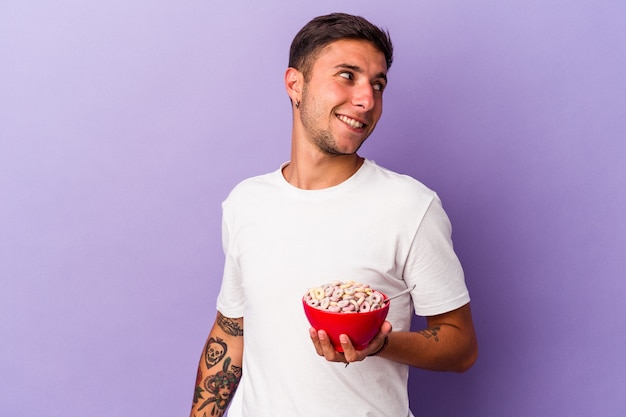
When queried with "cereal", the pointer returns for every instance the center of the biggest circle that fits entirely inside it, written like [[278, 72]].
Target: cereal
[[344, 297]]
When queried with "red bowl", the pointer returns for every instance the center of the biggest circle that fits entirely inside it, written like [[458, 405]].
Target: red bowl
[[360, 327]]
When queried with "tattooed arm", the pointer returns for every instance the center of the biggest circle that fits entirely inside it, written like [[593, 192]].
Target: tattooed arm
[[447, 344], [219, 370]]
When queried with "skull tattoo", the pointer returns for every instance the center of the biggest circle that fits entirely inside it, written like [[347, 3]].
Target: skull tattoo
[[215, 351]]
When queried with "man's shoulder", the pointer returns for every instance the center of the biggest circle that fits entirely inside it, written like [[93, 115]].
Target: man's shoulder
[[255, 185], [398, 182]]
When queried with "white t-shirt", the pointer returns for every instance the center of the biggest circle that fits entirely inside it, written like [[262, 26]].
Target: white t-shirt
[[377, 227]]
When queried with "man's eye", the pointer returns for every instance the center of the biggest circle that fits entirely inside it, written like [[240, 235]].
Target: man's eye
[[346, 75], [379, 86]]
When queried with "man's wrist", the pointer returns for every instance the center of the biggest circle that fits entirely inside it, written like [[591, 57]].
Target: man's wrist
[[384, 345]]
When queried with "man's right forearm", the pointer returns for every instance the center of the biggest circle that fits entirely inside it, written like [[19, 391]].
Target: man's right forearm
[[219, 370]]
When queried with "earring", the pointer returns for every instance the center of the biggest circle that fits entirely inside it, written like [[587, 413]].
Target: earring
[[297, 104]]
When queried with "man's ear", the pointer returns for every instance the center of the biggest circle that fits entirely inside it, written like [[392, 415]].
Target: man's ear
[[293, 83]]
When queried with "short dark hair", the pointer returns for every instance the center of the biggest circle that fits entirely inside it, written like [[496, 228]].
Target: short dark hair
[[323, 30]]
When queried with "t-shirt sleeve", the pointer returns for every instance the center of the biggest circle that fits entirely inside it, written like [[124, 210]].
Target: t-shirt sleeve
[[434, 267], [230, 300]]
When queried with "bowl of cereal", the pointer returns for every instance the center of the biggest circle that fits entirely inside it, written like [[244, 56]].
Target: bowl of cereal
[[350, 308]]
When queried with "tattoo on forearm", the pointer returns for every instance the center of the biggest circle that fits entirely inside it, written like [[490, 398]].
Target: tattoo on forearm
[[197, 395], [214, 351], [213, 394], [229, 326], [432, 332], [222, 386]]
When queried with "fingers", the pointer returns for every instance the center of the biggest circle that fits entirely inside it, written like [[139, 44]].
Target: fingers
[[380, 341], [349, 352], [324, 347], [316, 341], [328, 349], [353, 355], [322, 344], [385, 329]]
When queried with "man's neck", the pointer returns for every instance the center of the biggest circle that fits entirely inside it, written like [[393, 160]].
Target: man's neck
[[319, 171]]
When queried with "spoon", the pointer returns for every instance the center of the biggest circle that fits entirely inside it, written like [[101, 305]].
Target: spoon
[[399, 294]]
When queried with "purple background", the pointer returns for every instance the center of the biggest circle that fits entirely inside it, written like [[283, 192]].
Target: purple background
[[123, 125]]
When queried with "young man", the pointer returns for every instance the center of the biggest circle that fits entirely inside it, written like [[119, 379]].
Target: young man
[[329, 214]]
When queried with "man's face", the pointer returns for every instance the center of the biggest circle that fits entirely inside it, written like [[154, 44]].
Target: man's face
[[343, 98]]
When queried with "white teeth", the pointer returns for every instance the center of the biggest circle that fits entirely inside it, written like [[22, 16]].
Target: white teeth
[[355, 124]]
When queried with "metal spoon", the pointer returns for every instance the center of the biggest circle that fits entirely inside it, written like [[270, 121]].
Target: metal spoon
[[399, 294]]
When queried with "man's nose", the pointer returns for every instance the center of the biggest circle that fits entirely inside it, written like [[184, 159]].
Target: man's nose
[[364, 96]]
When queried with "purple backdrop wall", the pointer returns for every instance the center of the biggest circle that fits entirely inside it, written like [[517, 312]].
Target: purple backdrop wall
[[124, 124]]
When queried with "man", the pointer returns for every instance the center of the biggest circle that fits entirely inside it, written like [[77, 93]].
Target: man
[[328, 214]]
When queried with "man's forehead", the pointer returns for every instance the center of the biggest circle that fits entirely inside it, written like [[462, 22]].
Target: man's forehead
[[344, 50]]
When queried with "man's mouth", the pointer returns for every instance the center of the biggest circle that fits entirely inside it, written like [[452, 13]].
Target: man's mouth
[[351, 122]]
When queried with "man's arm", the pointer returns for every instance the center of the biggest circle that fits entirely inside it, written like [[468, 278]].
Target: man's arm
[[219, 370], [447, 344]]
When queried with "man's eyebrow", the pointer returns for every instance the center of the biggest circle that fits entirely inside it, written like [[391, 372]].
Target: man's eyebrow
[[359, 70]]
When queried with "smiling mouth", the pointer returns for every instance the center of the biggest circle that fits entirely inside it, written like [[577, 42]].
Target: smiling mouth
[[351, 122]]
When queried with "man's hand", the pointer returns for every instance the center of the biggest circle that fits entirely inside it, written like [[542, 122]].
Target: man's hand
[[325, 348]]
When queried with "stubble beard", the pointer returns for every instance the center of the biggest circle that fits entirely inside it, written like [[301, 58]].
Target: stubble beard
[[310, 114]]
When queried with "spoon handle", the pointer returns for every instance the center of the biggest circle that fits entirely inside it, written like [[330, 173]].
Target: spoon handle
[[400, 293]]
